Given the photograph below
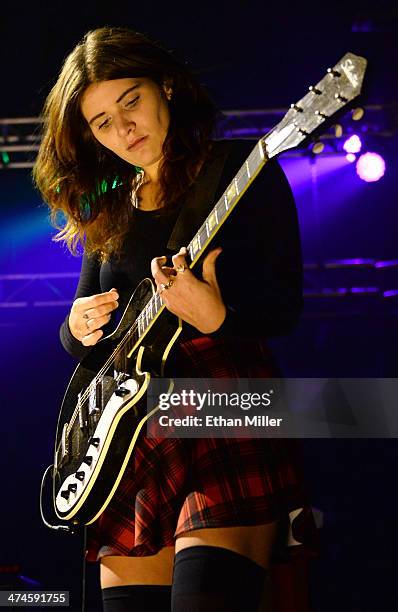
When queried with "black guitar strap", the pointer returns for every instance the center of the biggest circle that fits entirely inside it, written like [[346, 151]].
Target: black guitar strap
[[201, 197]]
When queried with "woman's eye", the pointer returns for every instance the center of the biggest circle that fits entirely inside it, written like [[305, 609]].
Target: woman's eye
[[132, 102], [105, 124]]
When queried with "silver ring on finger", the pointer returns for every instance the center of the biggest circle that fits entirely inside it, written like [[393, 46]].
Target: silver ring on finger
[[167, 285]]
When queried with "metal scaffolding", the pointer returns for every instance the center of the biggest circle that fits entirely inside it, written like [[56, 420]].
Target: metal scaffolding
[[20, 136]]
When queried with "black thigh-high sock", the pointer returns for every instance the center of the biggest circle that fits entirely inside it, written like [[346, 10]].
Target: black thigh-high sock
[[215, 579], [136, 598]]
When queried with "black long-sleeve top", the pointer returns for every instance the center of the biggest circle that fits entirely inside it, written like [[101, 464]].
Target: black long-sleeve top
[[259, 270]]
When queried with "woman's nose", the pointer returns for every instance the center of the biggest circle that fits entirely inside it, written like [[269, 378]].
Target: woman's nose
[[124, 126]]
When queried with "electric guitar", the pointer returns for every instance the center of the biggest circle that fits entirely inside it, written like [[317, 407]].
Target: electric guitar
[[104, 408]]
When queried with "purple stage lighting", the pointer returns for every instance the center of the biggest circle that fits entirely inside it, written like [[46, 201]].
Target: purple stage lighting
[[371, 167], [353, 144]]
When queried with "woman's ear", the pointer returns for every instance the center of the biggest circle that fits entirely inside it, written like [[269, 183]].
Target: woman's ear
[[168, 88]]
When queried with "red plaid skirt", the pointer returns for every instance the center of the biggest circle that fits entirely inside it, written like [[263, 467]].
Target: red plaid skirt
[[175, 485]]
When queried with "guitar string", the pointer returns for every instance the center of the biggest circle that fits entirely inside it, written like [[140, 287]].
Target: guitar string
[[255, 157]]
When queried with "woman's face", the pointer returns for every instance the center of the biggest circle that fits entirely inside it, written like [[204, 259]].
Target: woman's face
[[130, 117]]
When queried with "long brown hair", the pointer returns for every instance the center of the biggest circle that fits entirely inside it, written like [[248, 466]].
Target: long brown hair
[[86, 186]]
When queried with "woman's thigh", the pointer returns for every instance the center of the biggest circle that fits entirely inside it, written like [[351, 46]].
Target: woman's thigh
[[255, 542], [121, 571]]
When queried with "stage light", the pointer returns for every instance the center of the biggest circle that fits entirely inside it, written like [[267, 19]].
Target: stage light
[[350, 157], [5, 158], [317, 147], [353, 144], [371, 167]]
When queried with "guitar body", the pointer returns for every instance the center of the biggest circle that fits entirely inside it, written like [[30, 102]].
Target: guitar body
[[97, 430]]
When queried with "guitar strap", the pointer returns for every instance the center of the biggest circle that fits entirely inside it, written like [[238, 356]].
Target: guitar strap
[[201, 197]]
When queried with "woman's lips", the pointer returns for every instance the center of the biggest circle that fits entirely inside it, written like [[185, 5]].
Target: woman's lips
[[137, 143]]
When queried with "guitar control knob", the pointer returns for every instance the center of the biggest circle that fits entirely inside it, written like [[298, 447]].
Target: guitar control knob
[[340, 97], [297, 108], [73, 488], [315, 90], [65, 494], [94, 441], [334, 73], [88, 460], [121, 391], [321, 114], [80, 475]]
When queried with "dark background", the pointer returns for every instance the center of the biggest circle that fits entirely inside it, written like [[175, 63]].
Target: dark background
[[250, 55]]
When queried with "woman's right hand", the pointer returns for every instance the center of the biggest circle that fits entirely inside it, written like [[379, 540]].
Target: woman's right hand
[[89, 314]]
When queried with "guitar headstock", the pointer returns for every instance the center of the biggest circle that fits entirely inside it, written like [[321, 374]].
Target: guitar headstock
[[339, 87]]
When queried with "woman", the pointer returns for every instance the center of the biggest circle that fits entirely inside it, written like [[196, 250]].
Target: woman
[[127, 156]]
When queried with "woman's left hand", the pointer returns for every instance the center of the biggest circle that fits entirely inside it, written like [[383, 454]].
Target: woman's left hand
[[198, 302]]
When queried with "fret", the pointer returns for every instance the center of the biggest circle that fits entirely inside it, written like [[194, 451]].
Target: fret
[[241, 182], [207, 229], [220, 211], [247, 168], [196, 244], [190, 250], [236, 186], [231, 192], [253, 161], [212, 219], [203, 234], [226, 202]]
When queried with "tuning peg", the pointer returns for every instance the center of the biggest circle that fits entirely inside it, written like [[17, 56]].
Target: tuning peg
[[315, 90], [340, 97], [297, 108], [302, 131], [321, 114], [317, 147], [338, 130], [334, 73], [357, 114]]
